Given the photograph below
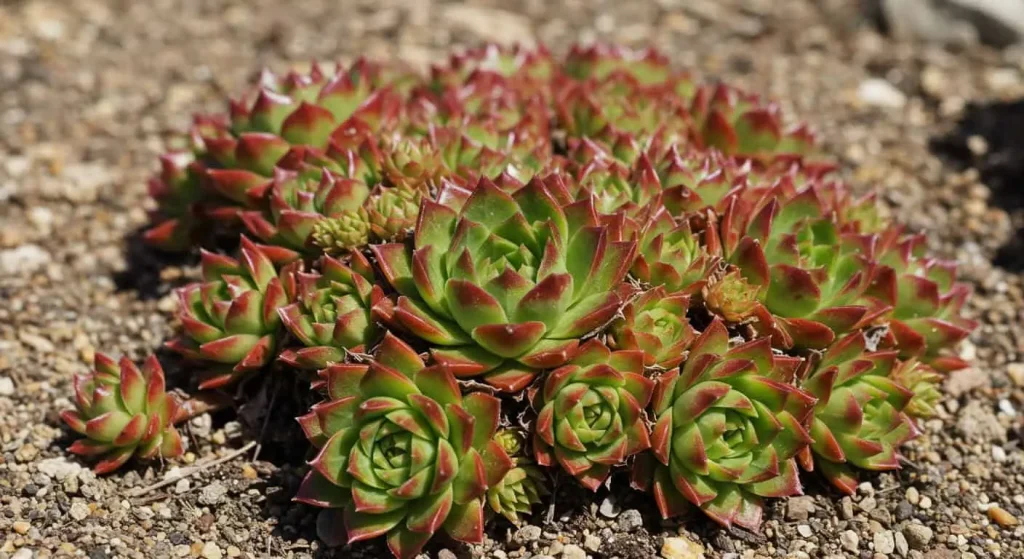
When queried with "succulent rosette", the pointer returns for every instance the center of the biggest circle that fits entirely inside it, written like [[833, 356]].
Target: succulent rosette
[[616, 188], [741, 124], [522, 486], [619, 106], [343, 233], [177, 188], [600, 61], [926, 300], [732, 297], [332, 312], [518, 492], [392, 212], [591, 413], [231, 158], [402, 451], [655, 323], [728, 426], [860, 417], [508, 283], [123, 411], [671, 255], [296, 201], [411, 162], [693, 180], [231, 317], [924, 382], [809, 278]]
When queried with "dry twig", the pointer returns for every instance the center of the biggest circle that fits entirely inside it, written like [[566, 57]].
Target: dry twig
[[192, 470]]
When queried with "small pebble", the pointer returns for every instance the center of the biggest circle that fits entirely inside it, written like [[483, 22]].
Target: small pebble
[[573, 551], [79, 510], [884, 542], [630, 520], [880, 93], [800, 508], [609, 508], [849, 540], [1003, 518], [681, 548], [902, 547], [527, 534], [918, 535], [213, 493], [212, 551]]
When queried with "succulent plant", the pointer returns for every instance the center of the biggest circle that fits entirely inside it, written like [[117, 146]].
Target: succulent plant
[[740, 124], [600, 61], [532, 68], [651, 266], [508, 283], [670, 255], [655, 323], [926, 300], [860, 417], [522, 486], [392, 212], [231, 158], [616, 188], [123, 411], [728, 426], [332, 312], [231, 318], [518, 492], [808, 277], [924, 382], [590, 413], [402, 450], [342, 233], [296, 201], [176, 189]]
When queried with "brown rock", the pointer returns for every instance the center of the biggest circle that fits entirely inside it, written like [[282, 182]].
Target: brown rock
[[1003, 518]]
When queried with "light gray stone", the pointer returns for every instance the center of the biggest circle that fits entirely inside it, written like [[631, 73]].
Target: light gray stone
[[998, 23], [884, 542]]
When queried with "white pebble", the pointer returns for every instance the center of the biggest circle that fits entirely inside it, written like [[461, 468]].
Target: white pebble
[[1006, 407], [24, 259], [880, 93]]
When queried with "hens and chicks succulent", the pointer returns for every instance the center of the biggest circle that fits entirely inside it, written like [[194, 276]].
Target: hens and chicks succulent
[[666, 275]]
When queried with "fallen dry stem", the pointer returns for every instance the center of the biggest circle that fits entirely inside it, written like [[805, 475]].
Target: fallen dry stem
[[192, 470]]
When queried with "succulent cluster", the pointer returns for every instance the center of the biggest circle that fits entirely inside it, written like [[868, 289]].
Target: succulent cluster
[[519, 265]]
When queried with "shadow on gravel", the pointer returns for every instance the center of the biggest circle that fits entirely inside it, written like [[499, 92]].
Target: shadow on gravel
[[144, 265], [1001, 165]]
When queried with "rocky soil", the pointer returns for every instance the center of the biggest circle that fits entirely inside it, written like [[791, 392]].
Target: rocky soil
[[91, 91]]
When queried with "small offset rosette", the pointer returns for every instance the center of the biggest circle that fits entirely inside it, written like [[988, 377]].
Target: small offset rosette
[[123, 411]]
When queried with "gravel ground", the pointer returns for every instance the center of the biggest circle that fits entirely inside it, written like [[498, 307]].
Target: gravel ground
[[91, 91]]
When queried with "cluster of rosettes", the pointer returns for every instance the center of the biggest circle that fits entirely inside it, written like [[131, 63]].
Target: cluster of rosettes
[[667, 273]]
